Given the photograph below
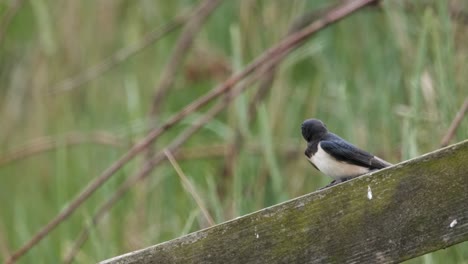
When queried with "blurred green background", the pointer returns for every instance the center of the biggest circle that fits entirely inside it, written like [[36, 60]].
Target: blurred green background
[[389, 79]]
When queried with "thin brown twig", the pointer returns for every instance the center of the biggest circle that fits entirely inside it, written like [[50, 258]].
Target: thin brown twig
[[120, 56], [158, 158], [183, 45], [140, 175], [48, 143], [167, 78], [265, 85], [153, 162], [455, 124], [177, 58], [8, 17], [232, 152], [188, 186], [281, 49]]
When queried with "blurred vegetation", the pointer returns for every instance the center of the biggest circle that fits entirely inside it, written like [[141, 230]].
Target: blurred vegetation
[[389, 79]]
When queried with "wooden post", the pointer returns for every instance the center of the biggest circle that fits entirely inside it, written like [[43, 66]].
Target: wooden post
[[395, 214]]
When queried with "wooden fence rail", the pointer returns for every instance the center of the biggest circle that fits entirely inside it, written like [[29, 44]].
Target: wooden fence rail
[[395, 214]]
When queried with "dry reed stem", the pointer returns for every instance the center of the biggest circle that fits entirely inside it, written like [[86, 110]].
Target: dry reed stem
[[188, 186], [265, 59], [149, 166], [455, 124], [140, 175], [182, 47], [159, 157]]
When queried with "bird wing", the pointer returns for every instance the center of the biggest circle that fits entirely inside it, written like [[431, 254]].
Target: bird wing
[[348, 153]]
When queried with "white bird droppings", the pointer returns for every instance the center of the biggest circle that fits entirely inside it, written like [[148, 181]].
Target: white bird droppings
[[454, 223], [256, 235], [369, 192]]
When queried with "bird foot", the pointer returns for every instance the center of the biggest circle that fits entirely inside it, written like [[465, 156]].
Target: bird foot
[[335, 182], [330, 184]]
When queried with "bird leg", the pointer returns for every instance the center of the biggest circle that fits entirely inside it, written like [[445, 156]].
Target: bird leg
[[334, 182]]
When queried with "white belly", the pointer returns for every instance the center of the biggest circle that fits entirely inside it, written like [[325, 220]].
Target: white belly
[[333, 168]]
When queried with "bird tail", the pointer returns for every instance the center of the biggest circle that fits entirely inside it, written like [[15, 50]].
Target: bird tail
[[386, 163]]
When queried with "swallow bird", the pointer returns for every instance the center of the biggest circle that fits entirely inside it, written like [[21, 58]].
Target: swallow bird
[[334, 156]]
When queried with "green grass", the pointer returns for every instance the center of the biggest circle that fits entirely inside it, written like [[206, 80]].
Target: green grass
[[389, 80]]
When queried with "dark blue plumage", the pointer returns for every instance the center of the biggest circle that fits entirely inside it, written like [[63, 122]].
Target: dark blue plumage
[[335, 156]]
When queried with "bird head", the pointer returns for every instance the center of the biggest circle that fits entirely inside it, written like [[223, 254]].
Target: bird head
[[312, 129]]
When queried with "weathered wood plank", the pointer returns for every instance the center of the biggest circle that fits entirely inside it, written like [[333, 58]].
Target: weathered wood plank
[[416, 207]]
